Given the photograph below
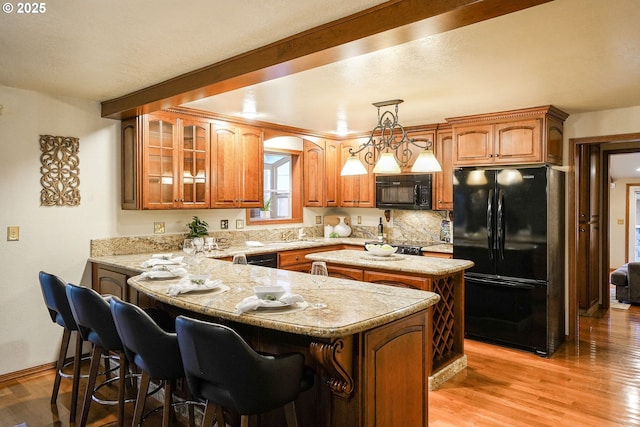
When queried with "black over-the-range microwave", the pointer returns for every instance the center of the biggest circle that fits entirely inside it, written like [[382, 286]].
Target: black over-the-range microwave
[[403, 192]]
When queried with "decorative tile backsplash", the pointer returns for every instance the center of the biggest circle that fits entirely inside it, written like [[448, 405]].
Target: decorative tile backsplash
[[416, 226]]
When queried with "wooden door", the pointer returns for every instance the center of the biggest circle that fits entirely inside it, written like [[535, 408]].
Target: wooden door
[[313, 175], [443, 181], [588, 269]]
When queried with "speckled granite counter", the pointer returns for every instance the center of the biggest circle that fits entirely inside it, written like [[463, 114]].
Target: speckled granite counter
[[378, 304], [401, 263]]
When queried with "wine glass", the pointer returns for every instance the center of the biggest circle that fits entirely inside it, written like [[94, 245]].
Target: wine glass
[[189, 248], [239, 261], [319, 275]]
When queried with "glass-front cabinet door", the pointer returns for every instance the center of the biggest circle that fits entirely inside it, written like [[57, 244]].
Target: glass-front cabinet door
[[160, 165], [195, 165]]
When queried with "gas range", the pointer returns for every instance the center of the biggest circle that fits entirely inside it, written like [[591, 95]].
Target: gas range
[[405, 248]]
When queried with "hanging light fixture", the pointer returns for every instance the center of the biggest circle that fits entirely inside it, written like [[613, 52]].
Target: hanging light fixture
[[391, 147]]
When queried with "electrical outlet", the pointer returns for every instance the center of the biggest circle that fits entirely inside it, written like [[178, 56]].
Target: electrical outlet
[[359, 219], [13, 233], [224, 224], [239, 224], [318, 219], [158, 227]]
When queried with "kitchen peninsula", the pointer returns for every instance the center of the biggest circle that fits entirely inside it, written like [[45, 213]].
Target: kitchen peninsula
[[442, 276], [370, 346]]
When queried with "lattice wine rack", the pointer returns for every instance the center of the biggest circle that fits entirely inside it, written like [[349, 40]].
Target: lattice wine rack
[[443, 321]]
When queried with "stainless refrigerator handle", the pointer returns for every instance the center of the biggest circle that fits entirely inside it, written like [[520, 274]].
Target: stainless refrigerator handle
[[489, 223], [500, 224]]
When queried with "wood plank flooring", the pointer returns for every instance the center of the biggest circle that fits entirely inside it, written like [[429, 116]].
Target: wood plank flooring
[[592, 382]]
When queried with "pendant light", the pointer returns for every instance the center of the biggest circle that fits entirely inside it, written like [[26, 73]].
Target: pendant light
[[390, 145]]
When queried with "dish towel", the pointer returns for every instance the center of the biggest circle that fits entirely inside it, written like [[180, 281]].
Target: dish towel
[[185, 285], [253, 302], [164, 272], [162, 259]]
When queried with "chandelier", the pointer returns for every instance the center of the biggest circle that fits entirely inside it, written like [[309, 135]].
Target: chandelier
[[390, 145]]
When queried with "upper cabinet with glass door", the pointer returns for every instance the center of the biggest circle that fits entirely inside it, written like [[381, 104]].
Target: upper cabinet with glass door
[[169, 167]]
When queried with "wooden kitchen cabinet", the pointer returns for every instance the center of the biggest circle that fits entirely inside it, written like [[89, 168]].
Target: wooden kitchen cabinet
[[165, 162], [396, 279], [345, 272], [358, 190], [321, 173], [109, 280], [295, 260], [528, 136], [443, 181], [237, 163], [313, 175]]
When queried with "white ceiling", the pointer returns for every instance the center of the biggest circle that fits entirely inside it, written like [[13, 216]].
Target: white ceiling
[[579, 55]]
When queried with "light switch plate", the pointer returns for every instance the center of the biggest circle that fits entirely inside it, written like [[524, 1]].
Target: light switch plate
[[239, 224], [13, 233], [318, 219]]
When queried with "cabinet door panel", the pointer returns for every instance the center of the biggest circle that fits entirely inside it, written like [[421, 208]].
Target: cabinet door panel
[[332, 172], [313, 176], [161, 164], [443, 181], [223, 174], [195, 165], [518, 142], [401, 280], [251, 161], [473, 145]]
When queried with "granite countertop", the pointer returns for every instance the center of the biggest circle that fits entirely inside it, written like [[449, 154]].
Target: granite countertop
[[352, 306], [402, 263]]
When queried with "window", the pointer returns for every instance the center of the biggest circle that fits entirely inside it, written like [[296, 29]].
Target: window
[[282, 184]]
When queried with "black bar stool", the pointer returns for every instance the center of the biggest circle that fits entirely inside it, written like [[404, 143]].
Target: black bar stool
[[223, 369], [92, 313], [55, 298], [150, 343]]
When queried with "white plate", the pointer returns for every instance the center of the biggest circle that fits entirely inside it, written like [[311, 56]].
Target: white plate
[[274, 304], [161, 275]]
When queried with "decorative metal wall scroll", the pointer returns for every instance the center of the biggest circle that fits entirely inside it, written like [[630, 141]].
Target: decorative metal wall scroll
[[60, 173]]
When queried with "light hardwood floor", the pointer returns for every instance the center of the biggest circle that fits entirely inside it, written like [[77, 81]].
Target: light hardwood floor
[[592, 382]]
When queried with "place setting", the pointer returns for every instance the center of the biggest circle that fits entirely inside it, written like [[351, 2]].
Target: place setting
[[272, 299], [197, 283]]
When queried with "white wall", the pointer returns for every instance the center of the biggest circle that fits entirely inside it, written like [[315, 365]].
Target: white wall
[[54, 239]]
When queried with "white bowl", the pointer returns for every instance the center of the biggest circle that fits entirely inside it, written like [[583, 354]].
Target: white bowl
[[269, 292], [381, 250]]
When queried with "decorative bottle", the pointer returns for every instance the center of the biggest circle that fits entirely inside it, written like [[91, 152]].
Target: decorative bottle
[[380, 231], [341, 228]]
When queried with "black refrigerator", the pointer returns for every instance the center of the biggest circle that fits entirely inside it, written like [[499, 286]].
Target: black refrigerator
[[510, 223]]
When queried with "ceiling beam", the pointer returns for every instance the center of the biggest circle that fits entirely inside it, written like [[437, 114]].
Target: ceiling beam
[[389, 24]]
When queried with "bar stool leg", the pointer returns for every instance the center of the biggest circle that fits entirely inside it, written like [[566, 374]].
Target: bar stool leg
[[141, 399], [64, 345], [290, 414], [122, 385], [77, 361], [209, 415], [96, 354]]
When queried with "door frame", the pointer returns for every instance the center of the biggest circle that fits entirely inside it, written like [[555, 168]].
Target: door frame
[[629, 143]]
